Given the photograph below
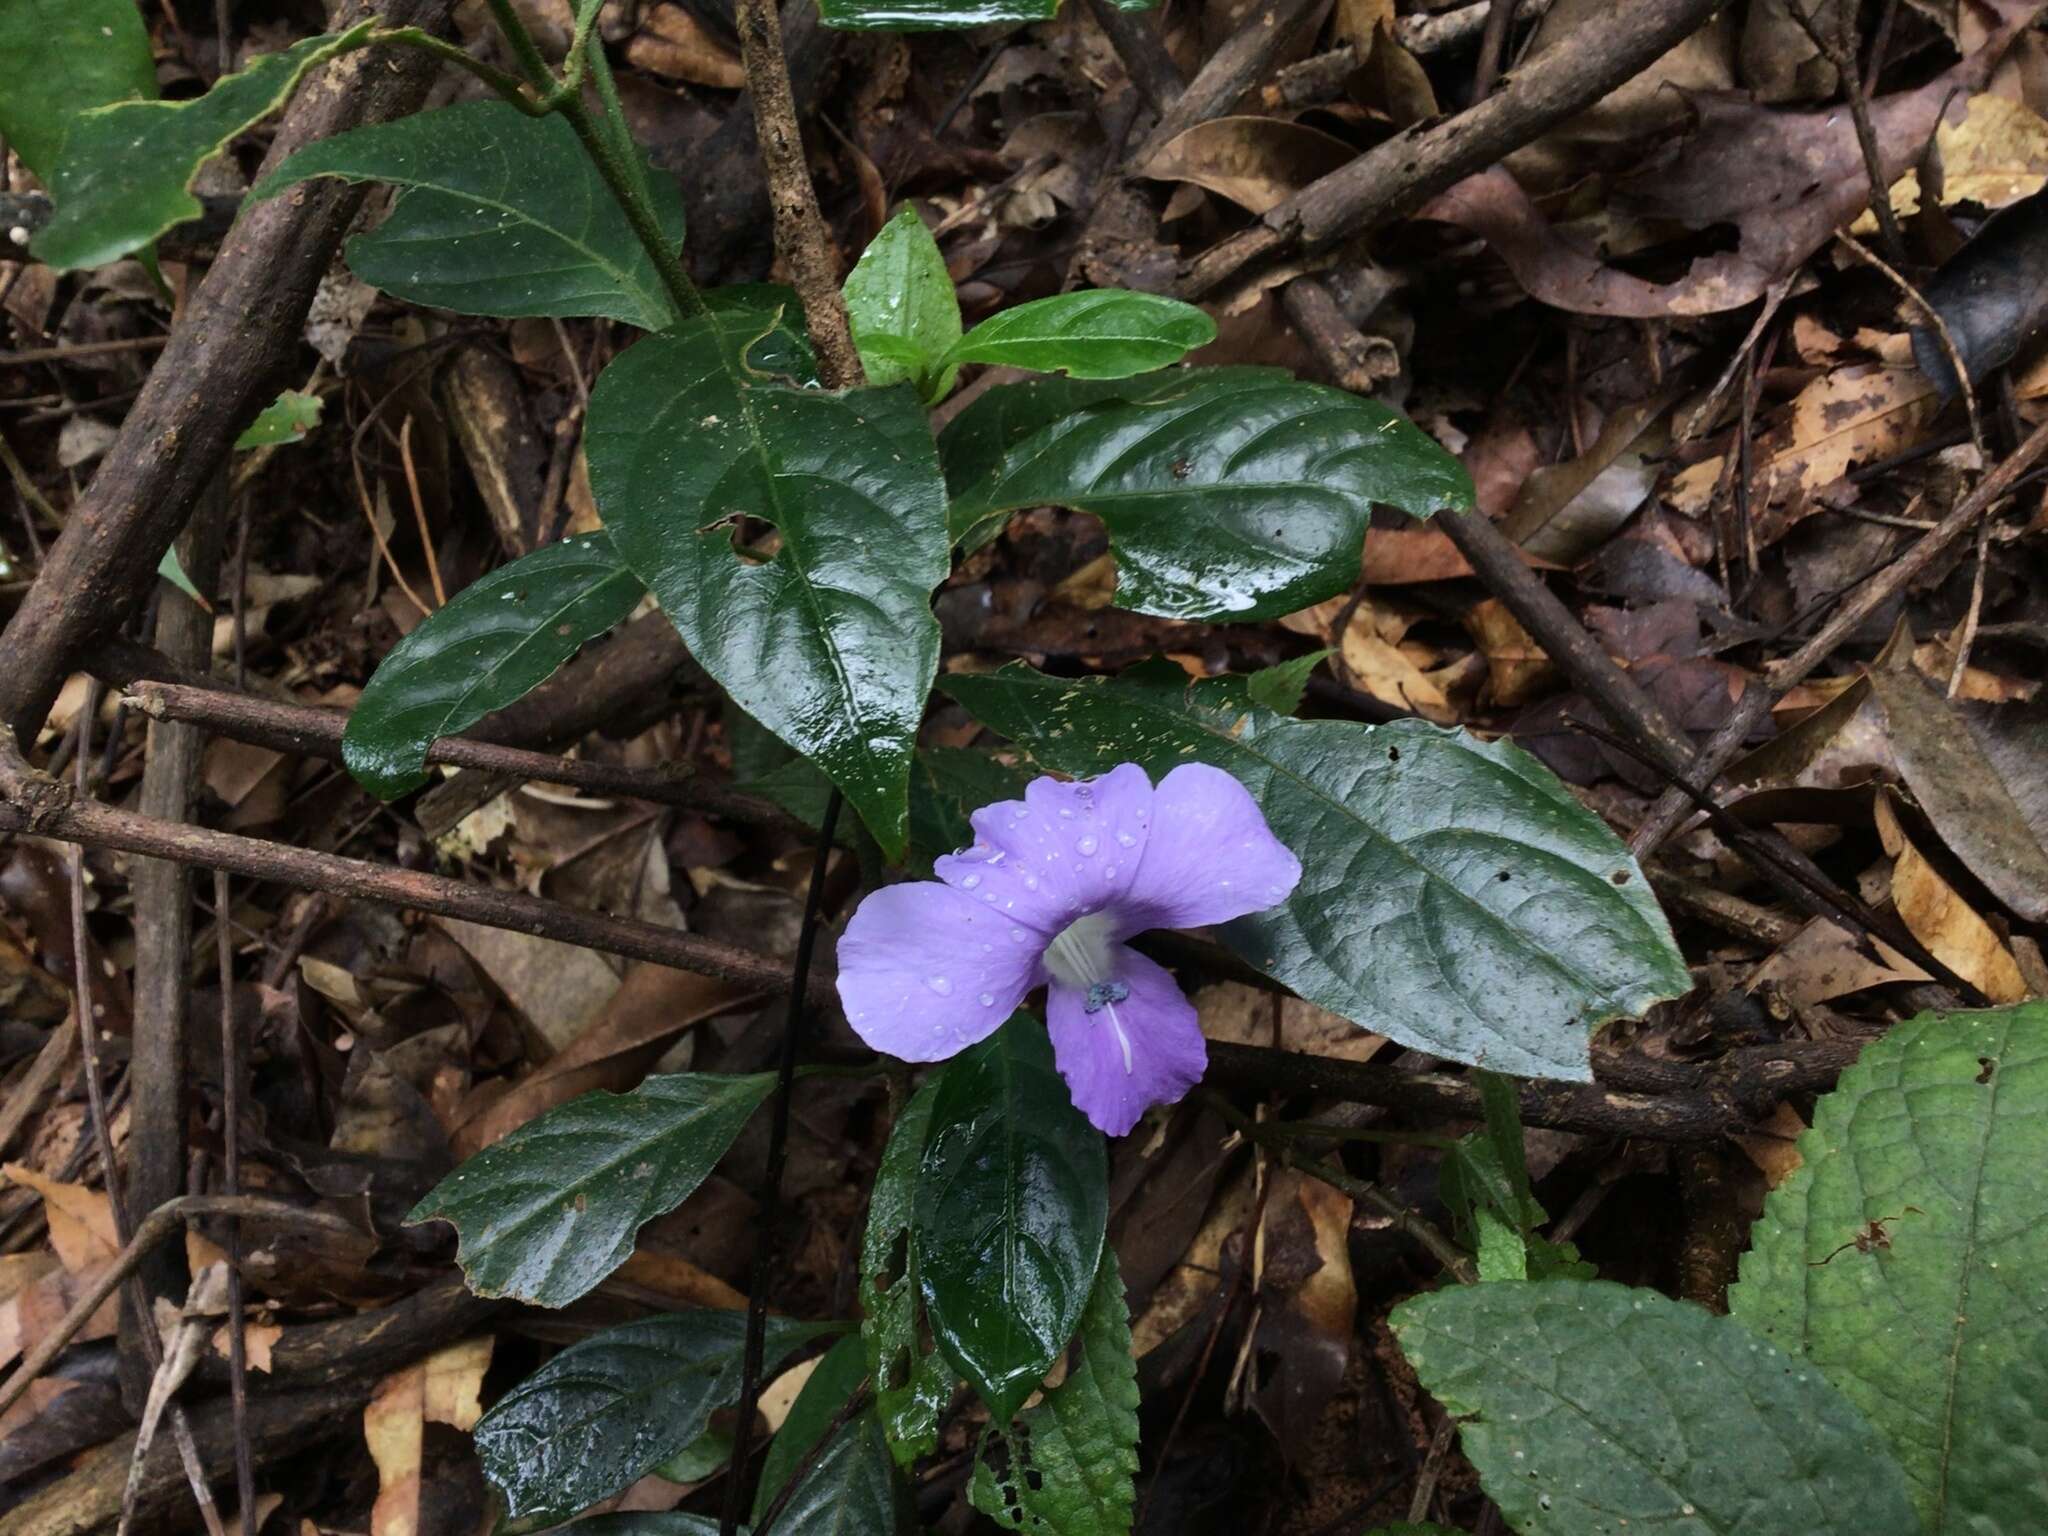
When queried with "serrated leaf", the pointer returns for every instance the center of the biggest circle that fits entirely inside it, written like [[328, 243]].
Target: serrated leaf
[[609, 1409], [1069, 1464], [852, 1489], [1239, 493], [286, 419], [1591, 1409], [549, 1211], [912, 1383], [1930, 1149], [931, 15], [1012, 1202], [123, 176], [494, 642], [901, 304], [828, 640], [1456, 897], [1279, 688], [1104, 333], [59, 58], [500, 214]]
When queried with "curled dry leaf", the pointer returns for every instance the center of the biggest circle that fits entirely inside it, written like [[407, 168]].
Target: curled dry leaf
[[1255, 162], [444, 1388], [1953, 931]]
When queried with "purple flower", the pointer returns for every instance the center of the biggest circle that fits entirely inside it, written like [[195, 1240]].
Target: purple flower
[[1052, 887]]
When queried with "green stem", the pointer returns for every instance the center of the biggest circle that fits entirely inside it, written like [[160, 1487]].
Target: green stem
[[572, 67], [610, 147], [510, 87]]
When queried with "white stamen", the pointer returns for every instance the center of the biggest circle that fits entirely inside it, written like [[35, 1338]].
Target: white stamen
[[1122, 1039]]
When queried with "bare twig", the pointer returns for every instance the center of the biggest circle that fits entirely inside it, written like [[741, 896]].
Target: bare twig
[[1839, 49], [231, 1185], [1947, 337]]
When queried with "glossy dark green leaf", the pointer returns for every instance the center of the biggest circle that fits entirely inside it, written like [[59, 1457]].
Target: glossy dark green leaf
[[823, 633], [1238, 493], [823, 1396], [1012, 1202], [665, 1522], [931, 15], [947, 784], [900, 301], [1591, 1409], [852, 1489], [613, 1407], [500, 214], [287, 419], [1455, 895], [913, 1383], [698, 1460], [1936, 1140], [122, 176], [549, 1211], [1105, 333], [59, 58], [495, 641], [1069, 1464]]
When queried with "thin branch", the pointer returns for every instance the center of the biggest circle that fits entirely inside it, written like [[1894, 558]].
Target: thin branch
[[1947, 337], [231, 1186]]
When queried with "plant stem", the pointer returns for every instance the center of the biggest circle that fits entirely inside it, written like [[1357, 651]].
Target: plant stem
[[771, 1193], [510, 87]]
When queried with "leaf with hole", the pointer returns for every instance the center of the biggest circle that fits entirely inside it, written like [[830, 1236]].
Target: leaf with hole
[[1069, 1465], [497, 639], [912, 1383], [1906, 1257], [1238, 493], [549, 1211], [1459, 898], [793, 537], [125, 172], [1012, 1202], [1104, 333], [59, 58], [1593, 1409], [901, 305], [499, 214], [611, 1408]]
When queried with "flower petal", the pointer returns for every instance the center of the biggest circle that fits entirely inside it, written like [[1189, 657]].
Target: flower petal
[[1211, 856], [925, 971], [1062, 851], [1132, 1052]]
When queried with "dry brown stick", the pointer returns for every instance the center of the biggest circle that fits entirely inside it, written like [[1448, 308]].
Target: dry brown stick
[[231, 1186], [1135, 36], [1760, 696], [1493, 48], [159, 1224], [1398, 176], [81, 349], [224, 361], [309, 731], [1230, 71], [40, 1078], [163, 930], [1941, 331], [33, 802], [1840, 49]]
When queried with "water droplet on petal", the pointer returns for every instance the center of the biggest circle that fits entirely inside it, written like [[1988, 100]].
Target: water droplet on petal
[[1125, 840], [1087, 845], [1017, 935], [940, 985], [970, 882], [1066, 813], [987, 999]]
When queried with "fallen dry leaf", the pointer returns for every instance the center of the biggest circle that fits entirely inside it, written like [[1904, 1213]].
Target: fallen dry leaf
[[81, 1219], [674, 43], [1953, 931], [441, 1389], [1255, 162]]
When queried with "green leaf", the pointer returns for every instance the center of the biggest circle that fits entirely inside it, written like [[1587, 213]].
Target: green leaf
[[611, 1408], [830, 1386], [1012, 1202], [947, 785], [1931, 1149], [1279, 688], [699, 1459], [667, 1522], [931, 15], [1237, 493], [1069, 1464], [900, 301], [1457, 897], [125, 170], [172, 571], [501, 214], [286, 419], [912, 1383], [1590, 1409], [853, 1489], [549, 1211], [1107, 333], [495, 641], [59, 58], [829, 640]]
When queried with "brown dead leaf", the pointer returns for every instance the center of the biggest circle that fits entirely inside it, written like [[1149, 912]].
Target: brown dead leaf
[[27, 991], [81, 1220], [1939, 918], [1307, 1270], [673, 43], [556, 987], [258, 1340], [1392, 80], [1995, 156], [1255, 162], [1774, 1145], [442, 1389], [1358, 22], [1517, 669], [44, 1302], [1823, 961], [1233, 1012], [652, 1006]]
